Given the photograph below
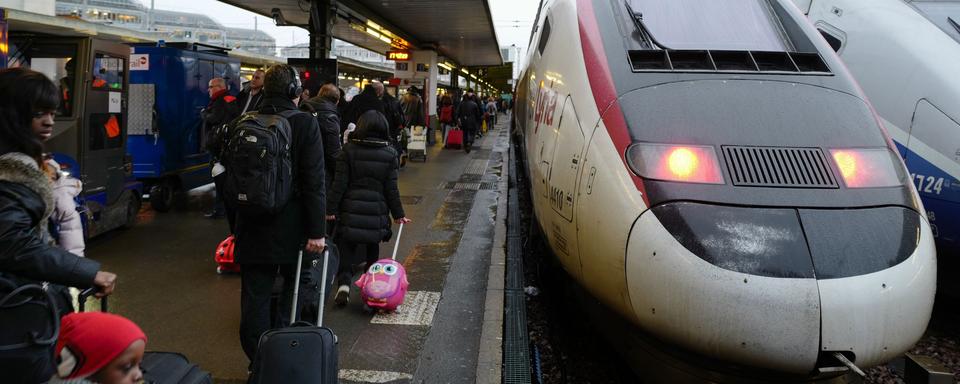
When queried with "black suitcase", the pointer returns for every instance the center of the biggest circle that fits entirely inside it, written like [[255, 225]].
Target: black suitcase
[[171, 368], [302, 353], [310, 291], [159, 367]]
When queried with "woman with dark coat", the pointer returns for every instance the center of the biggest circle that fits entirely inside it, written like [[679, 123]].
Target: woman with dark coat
[[364, 196], [28, 102]]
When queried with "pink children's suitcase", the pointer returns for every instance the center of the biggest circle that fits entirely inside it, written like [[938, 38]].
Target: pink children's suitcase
[[384, 285]]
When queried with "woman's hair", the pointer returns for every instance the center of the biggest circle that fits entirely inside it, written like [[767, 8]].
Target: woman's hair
[[371, 125], [446, 100], [24, 92]]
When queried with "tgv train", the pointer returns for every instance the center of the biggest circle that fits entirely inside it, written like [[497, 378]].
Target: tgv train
[[905, 55], [709, 170]]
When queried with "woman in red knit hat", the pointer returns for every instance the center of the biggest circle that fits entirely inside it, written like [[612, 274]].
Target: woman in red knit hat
[[97, 347]]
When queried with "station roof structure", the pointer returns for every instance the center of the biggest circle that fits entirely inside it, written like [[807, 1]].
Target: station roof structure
[[32, 22], [460, 30]]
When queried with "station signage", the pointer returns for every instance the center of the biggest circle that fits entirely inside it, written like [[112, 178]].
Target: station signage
[[400, 55]]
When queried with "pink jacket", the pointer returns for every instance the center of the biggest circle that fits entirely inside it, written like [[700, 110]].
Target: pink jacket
[[65, 215]]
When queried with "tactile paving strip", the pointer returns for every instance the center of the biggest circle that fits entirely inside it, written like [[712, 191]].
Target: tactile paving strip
[[417, 309]]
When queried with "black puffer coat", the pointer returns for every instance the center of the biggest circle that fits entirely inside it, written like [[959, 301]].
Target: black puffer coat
[[26, 201], [329, 120], [26, 257], [365, 192]]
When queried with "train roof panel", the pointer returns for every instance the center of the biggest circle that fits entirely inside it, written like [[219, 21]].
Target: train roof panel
[[748, 25]]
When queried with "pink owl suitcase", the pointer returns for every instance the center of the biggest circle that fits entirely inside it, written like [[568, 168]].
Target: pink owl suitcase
[[302, 353], [384, 285]]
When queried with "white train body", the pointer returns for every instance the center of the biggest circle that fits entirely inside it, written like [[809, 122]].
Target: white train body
[[905, 55], [749, 296]]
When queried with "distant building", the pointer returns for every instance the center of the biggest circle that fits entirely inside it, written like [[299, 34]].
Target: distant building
[[340, 49], [511, 54], [167, 25], [43, 7]]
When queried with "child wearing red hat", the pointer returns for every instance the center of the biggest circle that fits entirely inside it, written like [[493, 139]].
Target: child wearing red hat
[[97, 347]]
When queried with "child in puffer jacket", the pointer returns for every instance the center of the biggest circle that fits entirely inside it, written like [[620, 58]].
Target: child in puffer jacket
[[67, 230]]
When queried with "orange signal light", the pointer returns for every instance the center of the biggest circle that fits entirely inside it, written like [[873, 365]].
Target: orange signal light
[[682, 162]]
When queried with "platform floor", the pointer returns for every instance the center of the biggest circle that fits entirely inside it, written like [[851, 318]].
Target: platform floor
[[168, 284]]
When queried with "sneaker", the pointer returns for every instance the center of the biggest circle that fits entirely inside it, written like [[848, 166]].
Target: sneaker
[[343, 295]]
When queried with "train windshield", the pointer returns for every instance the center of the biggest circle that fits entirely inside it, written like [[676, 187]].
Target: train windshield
[[943, 13], [712, 24]]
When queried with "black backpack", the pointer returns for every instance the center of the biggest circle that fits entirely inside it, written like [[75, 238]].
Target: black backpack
[[259, 163]]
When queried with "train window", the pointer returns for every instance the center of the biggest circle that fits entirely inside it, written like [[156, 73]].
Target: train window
[[56, 61], [712, 24], [544, 36], [834, 42], [833, 35], [108, 72]]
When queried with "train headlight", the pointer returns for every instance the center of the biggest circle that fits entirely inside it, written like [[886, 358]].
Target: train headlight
[[866, 168], [684, 163]]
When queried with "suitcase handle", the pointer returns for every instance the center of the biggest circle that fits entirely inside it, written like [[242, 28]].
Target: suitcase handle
[[396, 243], [296, 288], [85, 294]]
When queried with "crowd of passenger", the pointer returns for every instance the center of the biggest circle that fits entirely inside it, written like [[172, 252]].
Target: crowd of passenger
[[344, 159]]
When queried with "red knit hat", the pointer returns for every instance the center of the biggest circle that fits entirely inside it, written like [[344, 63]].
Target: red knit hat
[[91, 340]]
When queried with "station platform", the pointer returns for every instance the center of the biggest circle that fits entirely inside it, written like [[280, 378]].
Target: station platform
[[448, 331]]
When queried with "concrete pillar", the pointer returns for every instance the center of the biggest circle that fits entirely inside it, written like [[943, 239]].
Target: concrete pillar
[[426, 60]]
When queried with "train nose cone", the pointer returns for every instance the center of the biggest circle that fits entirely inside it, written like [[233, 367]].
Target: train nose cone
[[752, 286], [881, 314]]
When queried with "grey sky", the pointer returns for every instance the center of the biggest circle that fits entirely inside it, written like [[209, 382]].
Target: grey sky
[[512, 19]]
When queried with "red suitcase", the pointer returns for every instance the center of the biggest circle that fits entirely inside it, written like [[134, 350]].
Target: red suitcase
[[455, 139], [224, 257]]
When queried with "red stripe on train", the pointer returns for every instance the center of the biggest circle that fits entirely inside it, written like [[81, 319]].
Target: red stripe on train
[[601, 83]]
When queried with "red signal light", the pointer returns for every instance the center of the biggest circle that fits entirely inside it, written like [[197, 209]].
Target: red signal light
[[306, 74], [682, 162], [685, 163], [866, 168]]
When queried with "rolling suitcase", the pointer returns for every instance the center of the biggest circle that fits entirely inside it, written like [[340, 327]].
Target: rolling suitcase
[[455, 138], [384, 285], [159, 367], [302, 353], [224, 257]]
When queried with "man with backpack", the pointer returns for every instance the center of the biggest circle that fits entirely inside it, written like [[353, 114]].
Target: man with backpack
[[275, 168]]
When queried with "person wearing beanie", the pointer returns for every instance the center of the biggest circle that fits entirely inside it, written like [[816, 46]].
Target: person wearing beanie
[[101, 348]]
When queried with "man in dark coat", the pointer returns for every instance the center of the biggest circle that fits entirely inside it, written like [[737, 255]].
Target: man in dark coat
[[250, 97], [393, 111], [365, 101], [364, 195], [324, 107], [221, 110], [266, 245], [469, 117]]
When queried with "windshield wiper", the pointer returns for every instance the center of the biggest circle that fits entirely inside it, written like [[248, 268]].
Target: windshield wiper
[[954, 24], [637, 18]]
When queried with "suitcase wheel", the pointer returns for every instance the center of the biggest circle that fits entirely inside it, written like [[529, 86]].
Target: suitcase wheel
[[220, 270]]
